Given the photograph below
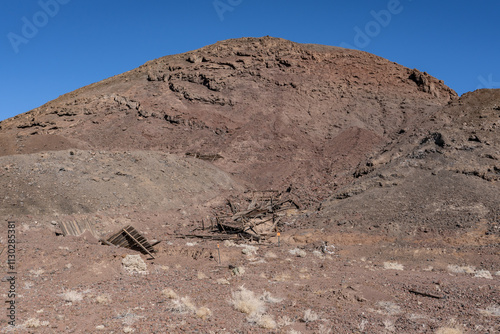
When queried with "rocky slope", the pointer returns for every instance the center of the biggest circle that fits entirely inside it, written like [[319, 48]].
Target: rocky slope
[[269, 111]]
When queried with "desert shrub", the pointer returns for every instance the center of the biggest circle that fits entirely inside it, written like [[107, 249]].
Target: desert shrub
[[310, 316], [247, 302], [298, 252], [71, 296]]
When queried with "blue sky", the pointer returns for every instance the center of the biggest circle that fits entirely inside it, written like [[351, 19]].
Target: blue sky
[[51, 47]]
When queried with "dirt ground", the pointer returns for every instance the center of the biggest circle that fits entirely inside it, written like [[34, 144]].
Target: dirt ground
[[360, 284]]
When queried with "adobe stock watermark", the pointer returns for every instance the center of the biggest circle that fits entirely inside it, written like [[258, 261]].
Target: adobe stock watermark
[[487, 82], [223, 6], [31, 26], [11, 273], [381, 19]]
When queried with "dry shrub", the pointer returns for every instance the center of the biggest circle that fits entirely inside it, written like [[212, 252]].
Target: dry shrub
[[266, 296], [318, 254], [104, 299], [390, 308], [270, 255], [249, 249], [310, 316], [246, 302], [266, 321], [178, 306], [229, 243], [483, 274], [461, 269], [71, 296], [185, 305], [285, 321], [204, 313], [238, 271], [169, 293], [188, 304], [324, 329], [222, 281], [283, 277], [35, 323], [393, 266], [298, 252], [491, 311]]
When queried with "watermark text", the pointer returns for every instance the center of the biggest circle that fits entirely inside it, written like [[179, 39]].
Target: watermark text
[[31, 26], [223, 6], [11, 273]]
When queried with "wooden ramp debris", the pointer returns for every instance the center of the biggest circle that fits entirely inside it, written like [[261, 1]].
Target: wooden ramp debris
[[77, 228], [128, 237]]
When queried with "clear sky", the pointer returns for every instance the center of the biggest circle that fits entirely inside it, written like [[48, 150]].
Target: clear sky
[[51, 47]]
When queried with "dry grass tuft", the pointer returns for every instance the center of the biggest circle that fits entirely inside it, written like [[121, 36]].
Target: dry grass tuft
[[266, 296], [266, 321], [186, 301], [104, 299], [389, 308], [204, 313], [185, 305], [298, 252], [483, 274], [318, 254], [246, 302], [71, 296], [222, 281], [270, 255], [238, 271], [35, 323], [393, 266], [285, 321], [283, 277], [461, 269], [491, 311], [229, 243], [169, 293], [310, 316], [324, 329]]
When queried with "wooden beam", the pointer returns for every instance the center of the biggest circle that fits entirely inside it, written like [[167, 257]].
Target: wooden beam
[[130, 235]]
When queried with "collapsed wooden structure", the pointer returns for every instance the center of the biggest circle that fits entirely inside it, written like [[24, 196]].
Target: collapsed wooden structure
[[128, 237], [77, 228], [261, 218]]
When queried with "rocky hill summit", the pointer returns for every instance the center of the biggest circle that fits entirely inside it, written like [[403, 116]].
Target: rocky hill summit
[[269, 111]]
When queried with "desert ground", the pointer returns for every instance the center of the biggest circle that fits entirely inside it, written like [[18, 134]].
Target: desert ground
[[284, 188]]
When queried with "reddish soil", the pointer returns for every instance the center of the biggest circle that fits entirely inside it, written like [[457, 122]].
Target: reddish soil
[[394, 173]]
